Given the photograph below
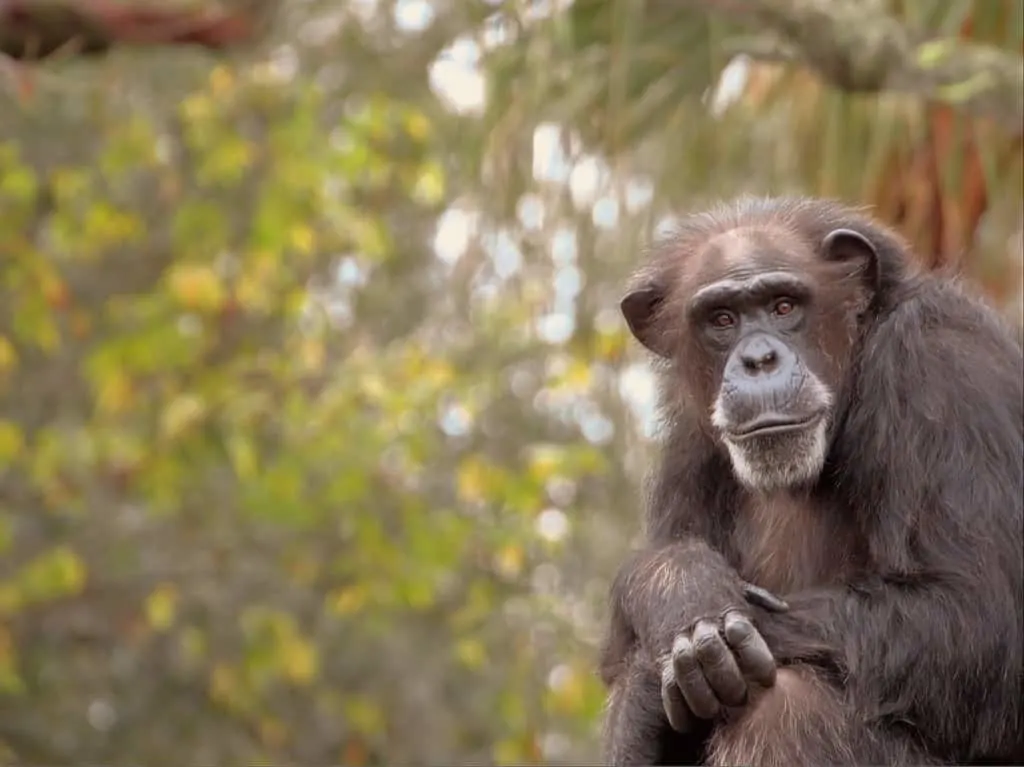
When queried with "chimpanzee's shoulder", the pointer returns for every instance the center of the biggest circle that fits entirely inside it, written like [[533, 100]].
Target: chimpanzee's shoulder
[[941, 308]]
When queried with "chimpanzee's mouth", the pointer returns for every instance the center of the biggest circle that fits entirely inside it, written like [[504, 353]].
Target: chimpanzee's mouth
[[773, 425]]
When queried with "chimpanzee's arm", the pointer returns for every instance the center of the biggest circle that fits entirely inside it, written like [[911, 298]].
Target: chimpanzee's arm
[[658, 595], [636, 731], [659, 590]]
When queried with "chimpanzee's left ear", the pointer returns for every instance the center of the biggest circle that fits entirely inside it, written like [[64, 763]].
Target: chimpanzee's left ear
[[640, 307], [854, 247]]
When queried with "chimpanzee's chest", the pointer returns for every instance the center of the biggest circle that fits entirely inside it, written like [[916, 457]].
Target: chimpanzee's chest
[[786, 542]]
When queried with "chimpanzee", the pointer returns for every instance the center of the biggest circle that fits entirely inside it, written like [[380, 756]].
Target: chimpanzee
[[833, 571]]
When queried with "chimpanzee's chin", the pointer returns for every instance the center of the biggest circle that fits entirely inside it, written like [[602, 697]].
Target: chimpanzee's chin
[[782, 460]]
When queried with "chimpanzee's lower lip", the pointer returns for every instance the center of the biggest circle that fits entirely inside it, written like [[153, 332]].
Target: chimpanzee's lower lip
[[770, 426]]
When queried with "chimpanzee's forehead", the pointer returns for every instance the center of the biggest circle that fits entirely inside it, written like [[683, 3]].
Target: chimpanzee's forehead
[[737, 253]]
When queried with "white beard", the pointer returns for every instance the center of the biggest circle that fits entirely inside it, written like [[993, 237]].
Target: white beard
[[776, 462], [771, 463]]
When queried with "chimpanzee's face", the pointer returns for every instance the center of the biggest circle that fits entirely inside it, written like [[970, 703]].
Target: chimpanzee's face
[[761, 326]]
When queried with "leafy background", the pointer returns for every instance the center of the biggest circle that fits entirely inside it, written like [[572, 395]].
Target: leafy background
[[320, 434]]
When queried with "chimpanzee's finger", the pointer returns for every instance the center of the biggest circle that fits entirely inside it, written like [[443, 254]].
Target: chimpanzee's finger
[[763, 598], [696, 690], [752, 653], [717, 662], [676, 710]]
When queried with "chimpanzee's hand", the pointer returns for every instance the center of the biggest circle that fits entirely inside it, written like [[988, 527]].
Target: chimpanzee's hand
[[712, 663]]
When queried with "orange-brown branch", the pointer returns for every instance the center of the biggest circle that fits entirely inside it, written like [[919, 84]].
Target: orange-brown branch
[[31, 30]]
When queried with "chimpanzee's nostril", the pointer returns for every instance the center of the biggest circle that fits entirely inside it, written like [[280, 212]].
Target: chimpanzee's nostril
[[763, 363]]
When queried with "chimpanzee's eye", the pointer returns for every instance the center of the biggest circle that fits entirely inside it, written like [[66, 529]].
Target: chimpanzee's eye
[[783, 307], [723, 319]]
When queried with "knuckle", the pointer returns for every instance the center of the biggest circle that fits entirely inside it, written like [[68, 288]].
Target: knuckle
[[684, 666], [708, 643], [693, 679], [741, 630], [668, 674], [681, 645], [736, 618], [719, 664]]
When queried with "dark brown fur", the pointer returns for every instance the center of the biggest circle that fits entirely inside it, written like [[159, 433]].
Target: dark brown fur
[[902, 565], [784, 544]]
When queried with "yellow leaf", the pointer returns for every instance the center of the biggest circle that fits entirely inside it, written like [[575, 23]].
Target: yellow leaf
[[252, 293], [299, 660], [58, 572], [161, 606], [931, 53], [43, 332], [302, 239], [429, 186], [243, 456], [418, 126], [8, 355], [508, 751], [311, 352], [611, 345], [70, 183], [223, 683], [6, 645], [471, 653], [115, 394], [368, 236], [363, 715], [419, 594], [438, 372], [373, 386], [568, 694], [221, 81], [193, 644], [10, 599], [10, 679], [545, 461], [11, 441], [471, 480], [68, 570], [509, 560], [349, 600], [578, 376], [105, 225], [6, 533], [197, 107], [181, 413], [196, 287]]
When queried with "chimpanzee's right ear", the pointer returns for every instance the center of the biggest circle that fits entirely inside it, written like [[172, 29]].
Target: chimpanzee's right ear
[[640, 307]]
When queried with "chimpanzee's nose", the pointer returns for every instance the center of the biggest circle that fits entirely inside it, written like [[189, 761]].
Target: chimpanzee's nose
[[759, 355]]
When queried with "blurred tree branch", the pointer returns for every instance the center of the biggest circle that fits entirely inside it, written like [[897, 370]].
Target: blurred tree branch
[[32, 30], [858, 47]]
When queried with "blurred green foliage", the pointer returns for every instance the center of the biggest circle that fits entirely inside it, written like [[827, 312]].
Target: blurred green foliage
[[279, 484], [233, 526]]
